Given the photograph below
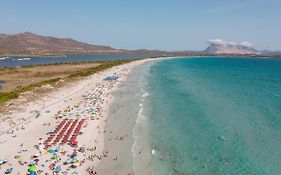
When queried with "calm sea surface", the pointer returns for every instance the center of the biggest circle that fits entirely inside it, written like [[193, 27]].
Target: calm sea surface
[[24, 61], [214, 116]]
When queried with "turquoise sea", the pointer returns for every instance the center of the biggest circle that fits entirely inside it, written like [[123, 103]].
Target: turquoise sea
[[213, 115]]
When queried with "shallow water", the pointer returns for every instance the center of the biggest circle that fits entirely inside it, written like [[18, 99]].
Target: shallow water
[[215, 116], [121, 122]]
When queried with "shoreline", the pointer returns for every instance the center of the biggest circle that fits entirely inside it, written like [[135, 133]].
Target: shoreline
[[26, 142], [109, 142], [121, 127]]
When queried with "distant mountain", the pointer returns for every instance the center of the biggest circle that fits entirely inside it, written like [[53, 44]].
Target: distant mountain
[[269, 52], [29, 43], [221, 47]]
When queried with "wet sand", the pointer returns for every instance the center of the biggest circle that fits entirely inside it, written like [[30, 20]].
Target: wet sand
[[126, 154]]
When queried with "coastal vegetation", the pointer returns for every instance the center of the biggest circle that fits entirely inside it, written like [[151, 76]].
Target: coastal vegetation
[[6, 96], [90, 70], [102, 66]]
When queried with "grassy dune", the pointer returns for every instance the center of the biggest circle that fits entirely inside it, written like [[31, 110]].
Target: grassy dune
[[14, 93]]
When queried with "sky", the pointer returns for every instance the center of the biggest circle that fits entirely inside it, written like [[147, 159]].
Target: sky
[[151, 24]]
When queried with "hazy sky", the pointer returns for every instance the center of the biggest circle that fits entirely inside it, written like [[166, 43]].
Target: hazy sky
[[152, 24]]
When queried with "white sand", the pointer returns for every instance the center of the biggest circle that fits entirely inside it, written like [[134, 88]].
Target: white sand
[[65, 98]]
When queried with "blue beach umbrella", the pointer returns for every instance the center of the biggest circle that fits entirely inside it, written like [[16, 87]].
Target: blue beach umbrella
[[68, 161], [51, 151], [58, 169], [33, 173], [9, 170], [58, 149]]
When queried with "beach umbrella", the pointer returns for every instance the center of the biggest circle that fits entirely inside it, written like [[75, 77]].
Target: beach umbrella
[[9, 170], [3, 161], [82, 149], [32, 163], [32, 173], [36, 155], [68, 161], [58, 148], [73, 155], [73, 166], [74, 160], [51, 151], [77, 164], [32, 168], [58, 169], [51, 166], [41, 147], [54, 158]]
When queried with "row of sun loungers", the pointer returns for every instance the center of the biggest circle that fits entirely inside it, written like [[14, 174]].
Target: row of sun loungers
[[63, 131], [73, 140]]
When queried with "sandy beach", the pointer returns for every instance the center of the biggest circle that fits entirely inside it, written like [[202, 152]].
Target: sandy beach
[[62, 132]]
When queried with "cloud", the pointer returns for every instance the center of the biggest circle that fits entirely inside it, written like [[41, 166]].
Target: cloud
[[216, 41], [246, 44], [220, 42], [223, 42]]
